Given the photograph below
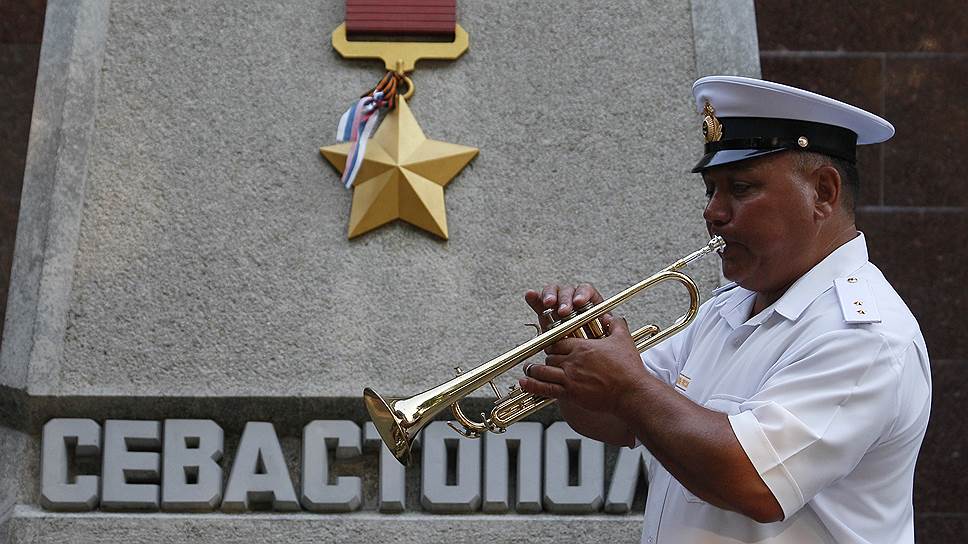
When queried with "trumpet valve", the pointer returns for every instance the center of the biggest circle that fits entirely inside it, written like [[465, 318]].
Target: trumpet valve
[[551, 318], [580, 332], [595, 327]]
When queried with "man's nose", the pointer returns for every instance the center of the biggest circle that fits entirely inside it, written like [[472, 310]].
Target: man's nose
[[717, 211]]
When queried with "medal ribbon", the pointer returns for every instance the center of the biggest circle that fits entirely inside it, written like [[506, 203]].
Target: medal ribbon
[[401, 17], [359, 122]]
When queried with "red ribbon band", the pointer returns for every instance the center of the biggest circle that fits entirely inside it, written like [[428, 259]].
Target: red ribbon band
[[401, 17]]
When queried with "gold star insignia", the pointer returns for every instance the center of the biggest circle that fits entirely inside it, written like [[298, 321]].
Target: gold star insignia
[[403, 175]]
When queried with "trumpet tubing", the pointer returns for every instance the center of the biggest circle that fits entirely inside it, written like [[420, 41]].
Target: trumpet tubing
[[398, 420]]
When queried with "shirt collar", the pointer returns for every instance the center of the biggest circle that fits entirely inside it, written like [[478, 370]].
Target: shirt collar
[[843, 261], [735, 309], [736, 306]]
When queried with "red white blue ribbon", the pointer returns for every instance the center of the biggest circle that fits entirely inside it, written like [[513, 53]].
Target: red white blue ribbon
[[356, 126]]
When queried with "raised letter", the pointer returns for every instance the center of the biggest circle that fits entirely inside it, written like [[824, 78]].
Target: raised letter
[[586, 496], [56, 492], [464, 495], [625, 478], [192, 478], [318, 495], [130, 472], [526, 438], [393, 476], [259, 473]]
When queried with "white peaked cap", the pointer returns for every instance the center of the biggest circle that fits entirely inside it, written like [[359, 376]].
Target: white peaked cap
[[749, 117], [735, 96]]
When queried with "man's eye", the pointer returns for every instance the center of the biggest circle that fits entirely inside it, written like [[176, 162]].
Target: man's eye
[[740, 188]]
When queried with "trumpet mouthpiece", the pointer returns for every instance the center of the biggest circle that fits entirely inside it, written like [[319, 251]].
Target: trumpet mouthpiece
[[717, 243]]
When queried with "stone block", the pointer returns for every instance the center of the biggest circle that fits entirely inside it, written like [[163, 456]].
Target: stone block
[[925, 162], [22, 22], [944, 452], [914, 250], [865, 25]]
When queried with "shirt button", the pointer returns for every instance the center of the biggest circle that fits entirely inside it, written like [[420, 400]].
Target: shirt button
[[651, 540]]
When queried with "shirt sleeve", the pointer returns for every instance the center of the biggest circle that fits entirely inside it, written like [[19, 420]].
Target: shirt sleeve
[[816, 416]]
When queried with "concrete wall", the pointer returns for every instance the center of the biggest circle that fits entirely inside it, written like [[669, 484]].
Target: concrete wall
[[181, 248]]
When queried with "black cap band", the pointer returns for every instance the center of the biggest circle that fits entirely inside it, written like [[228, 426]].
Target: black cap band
[[768, 134]]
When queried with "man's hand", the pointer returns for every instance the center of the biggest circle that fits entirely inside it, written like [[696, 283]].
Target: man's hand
[[591, 422], [590, 374], [594, 374]]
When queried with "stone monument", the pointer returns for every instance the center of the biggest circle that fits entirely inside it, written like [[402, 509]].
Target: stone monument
[[183, 283]]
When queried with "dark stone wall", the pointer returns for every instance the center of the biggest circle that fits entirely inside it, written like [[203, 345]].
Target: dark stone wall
[[908, 62], [21, 30]]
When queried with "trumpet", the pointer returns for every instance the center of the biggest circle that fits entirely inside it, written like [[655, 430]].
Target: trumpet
[[399, 419]]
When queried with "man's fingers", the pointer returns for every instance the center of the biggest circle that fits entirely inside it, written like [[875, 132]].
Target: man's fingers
[[561, 347], [618, 325], [541, 301], [584, 293], [609, 320], [549, 296], [544, 389], [554, 361], [563, 298], [565, 294], [546, 373], [533, 298], [544, 380]]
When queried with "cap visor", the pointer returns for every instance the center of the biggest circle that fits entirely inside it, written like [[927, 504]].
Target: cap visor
[[729, 156]]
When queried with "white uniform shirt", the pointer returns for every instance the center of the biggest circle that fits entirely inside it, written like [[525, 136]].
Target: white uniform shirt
[[828, 391]]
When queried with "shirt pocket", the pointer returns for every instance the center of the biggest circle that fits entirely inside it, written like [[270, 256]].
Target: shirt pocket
[[727, 404]]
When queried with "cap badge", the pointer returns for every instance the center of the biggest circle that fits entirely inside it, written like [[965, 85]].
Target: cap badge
[[712, 129]]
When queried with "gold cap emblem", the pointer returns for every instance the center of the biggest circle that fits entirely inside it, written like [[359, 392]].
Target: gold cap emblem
[[712, 129]]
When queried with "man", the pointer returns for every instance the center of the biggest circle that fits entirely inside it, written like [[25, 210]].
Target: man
[[793, 407]]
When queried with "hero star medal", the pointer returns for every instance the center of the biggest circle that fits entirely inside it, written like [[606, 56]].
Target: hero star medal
[[396, 172]]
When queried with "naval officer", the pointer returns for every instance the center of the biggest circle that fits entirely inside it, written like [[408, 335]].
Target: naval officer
[[792, 409]]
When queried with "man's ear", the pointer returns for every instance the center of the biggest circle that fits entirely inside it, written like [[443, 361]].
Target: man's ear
[[828, 185]]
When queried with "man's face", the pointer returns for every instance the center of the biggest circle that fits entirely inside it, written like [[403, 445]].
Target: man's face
[[764, 209]]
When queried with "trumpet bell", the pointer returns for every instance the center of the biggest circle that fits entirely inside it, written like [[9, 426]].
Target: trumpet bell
[[387, 423]]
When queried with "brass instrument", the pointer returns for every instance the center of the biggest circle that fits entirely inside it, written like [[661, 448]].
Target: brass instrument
[[398, 420]]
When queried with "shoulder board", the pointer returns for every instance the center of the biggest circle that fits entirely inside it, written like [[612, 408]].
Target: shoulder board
[[857, 300], [724, 288]]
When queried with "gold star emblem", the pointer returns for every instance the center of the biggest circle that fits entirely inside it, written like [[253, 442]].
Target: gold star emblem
[[403, 175]]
